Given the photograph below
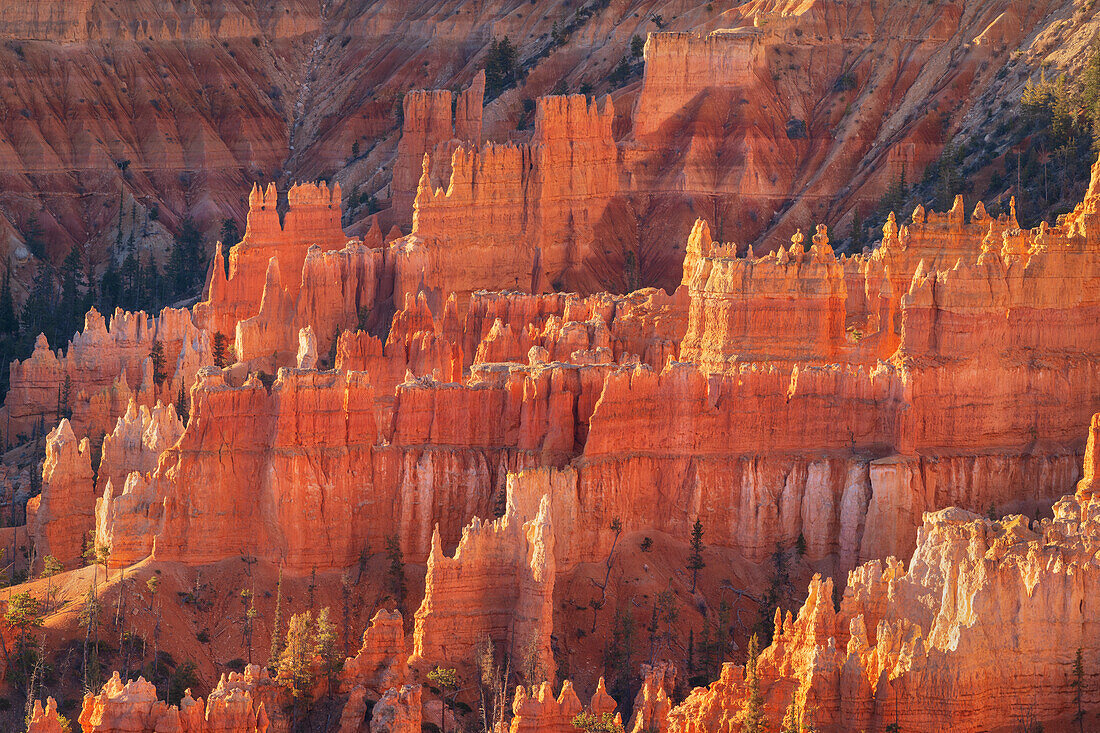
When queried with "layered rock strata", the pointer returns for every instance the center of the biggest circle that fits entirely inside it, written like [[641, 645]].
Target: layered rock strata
[[912, 645], [498, 586], [103, 368], [533, 213]]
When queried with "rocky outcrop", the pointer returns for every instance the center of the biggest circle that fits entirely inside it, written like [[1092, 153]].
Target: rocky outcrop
[[913, 645], [45, 721], [60, 518], [531, 212], [137, 441], [1089, 482], [433, 123], [398, 711], [102, 369], [237, 705], [538, 711], [653, 703], [312, 219], [499, 585], [338, 290], [380, 662]]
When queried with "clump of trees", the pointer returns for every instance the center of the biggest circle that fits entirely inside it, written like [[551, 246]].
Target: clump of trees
[[501, 67]]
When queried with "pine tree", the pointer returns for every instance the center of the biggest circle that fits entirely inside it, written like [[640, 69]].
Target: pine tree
[[248, 602], [156, 353], [33, 239], [64, 398], [181, 405], [695, 559], [230, 236], [8, 322], [790, 720], [219, 350], [447, 679], [324, 642], [153, 584], [24, 612], [186, 262], [858, 234], [276, 626], [500, 67], [50, 567], [296, 660], [40, 308], [1078, 683], [752, 713], [74, 288], [131, 282], [395, 575]]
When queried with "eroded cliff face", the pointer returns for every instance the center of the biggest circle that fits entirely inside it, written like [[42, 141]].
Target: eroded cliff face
[[102, 370], [204, 100], [236, 705], [886, 410], [498, 586], [62, 515], [940, 644]]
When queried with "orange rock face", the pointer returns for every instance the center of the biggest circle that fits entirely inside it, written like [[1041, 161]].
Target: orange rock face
[[939, 645], [429, 126], [398, 711], [235, 706], [499, 585], [380, 662], [313, 218], [106, 367], [63, 515], [541, 713], [532, 213]]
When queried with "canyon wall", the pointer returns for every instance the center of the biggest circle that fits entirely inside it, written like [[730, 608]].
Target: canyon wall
[[312, 218], [913, 645], [832, 437], [103, 368], [532, 212]]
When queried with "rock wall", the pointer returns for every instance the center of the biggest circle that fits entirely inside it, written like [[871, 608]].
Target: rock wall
[[539, 712], [531, 212], [237, 705], [105, 367], [913, 645], [432, 120], [312, 218], [60, 518], [499, 586], [137, 441]]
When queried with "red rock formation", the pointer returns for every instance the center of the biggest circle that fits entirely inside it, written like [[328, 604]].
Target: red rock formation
[[499, 585], [62, 516], [45, 721], [652, 703], [432, 121], [789, 308], [398, 711], [336, 288], [541, 713], [381, 662], [1087, 486], [313, 218], [530, 212], [101, 363], [139, 437], [237, 705], [915, 645]]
